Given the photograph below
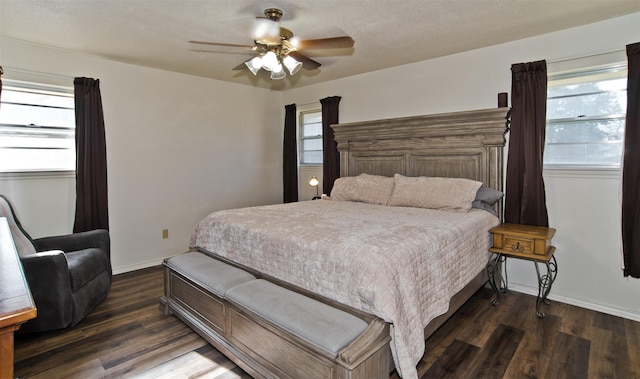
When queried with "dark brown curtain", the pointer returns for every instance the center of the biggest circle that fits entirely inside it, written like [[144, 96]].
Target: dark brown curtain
[[91, 158], [290, 155], [525, 200], [330, 155], [631, 168]]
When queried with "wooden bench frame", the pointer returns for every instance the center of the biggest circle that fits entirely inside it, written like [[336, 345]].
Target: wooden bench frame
[[265, 350]]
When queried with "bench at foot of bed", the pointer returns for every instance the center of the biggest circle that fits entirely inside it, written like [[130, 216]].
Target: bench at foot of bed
[[271, 331]]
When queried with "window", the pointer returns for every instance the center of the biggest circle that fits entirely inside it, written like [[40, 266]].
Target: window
[[585, 118], [310, 135], [37, 127]]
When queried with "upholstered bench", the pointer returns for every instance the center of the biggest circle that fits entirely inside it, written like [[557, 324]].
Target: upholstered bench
[[269, 330], [211, 274]]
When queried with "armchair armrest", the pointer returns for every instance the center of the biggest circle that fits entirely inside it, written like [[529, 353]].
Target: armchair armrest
[[98, 238], [48, 276], [47, 269]]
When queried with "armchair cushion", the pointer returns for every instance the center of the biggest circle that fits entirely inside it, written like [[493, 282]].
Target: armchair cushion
[[84, 265]]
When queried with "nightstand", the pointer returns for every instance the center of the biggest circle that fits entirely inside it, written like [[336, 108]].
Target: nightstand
[[523, 242]]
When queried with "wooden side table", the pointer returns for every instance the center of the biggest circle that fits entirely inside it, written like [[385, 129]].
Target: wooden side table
[[523, 242]]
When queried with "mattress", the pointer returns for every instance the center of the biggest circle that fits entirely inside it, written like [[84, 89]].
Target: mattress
[[401, 264]]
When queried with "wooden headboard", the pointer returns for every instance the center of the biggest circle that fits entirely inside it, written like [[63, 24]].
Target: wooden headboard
[[465, 144]]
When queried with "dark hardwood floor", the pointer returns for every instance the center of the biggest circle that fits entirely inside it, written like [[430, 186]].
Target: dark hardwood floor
[[128, 336]]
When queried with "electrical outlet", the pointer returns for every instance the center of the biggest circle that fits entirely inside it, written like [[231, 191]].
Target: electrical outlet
[[165, 233]]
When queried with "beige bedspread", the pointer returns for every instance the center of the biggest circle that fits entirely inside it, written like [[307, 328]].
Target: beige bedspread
[[401, 264]]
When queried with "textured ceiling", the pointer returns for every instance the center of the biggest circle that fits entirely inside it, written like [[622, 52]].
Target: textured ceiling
[[387, 33]]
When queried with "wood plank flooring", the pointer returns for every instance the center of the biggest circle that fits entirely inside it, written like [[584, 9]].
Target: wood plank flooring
[[128, 336]]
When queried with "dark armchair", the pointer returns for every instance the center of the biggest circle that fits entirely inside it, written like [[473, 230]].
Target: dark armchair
[[68, 275]]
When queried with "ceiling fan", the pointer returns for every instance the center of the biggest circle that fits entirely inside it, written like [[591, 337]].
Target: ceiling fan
[[277, 48]]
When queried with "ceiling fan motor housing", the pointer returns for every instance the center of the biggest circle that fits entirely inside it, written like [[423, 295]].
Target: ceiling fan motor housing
[[273, 14]]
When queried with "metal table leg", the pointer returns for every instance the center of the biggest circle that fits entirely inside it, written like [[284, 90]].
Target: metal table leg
[[544, 283], [498, 284]]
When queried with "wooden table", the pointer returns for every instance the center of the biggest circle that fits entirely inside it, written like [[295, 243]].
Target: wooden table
[[523, 242], [16, 303]]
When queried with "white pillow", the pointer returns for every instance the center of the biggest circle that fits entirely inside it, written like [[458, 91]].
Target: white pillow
[[453, 194], [364, 188]]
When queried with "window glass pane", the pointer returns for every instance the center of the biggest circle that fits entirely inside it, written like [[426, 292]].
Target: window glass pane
[[585, 119], [37, 128], [587, 99], [587, 131], [312, 118], [310, 137], [579, 154], [312, 157], [37, 98], [619, 84], [312, 144], [19, 114], [312, 130], [36, 160]]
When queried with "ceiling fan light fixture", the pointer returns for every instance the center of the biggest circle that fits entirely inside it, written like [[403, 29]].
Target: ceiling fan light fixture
[[278, 72], [269, 61], [254, 65], [292, 64]]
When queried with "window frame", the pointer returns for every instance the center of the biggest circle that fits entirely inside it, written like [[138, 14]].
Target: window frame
[[301, 138], [55, 90], [603, 72]]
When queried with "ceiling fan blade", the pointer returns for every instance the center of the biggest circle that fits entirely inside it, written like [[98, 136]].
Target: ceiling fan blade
[[220, 44], [307, 63], [326, 43], [241, 66]]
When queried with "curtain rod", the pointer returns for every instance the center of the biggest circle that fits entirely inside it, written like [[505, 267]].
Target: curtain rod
[[32, 72], [586, 56]]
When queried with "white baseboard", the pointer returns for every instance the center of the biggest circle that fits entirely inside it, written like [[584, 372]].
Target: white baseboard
[[137, 266], [577, 302]]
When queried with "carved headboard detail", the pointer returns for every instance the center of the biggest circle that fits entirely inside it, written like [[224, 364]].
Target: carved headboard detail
[[466, 144]]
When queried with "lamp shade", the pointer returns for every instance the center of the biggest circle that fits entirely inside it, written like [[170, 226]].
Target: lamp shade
[[269, 61], [313, 182], [277, 72], [292, 64], [254, 64]]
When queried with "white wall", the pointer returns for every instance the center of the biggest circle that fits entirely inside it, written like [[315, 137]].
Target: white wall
[[178, 148], [584, 208]]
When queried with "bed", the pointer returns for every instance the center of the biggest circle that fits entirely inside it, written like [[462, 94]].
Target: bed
[[379, 245]]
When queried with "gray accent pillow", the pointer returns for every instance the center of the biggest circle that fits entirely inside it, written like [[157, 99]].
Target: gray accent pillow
[[489, 195], [486, 199]]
